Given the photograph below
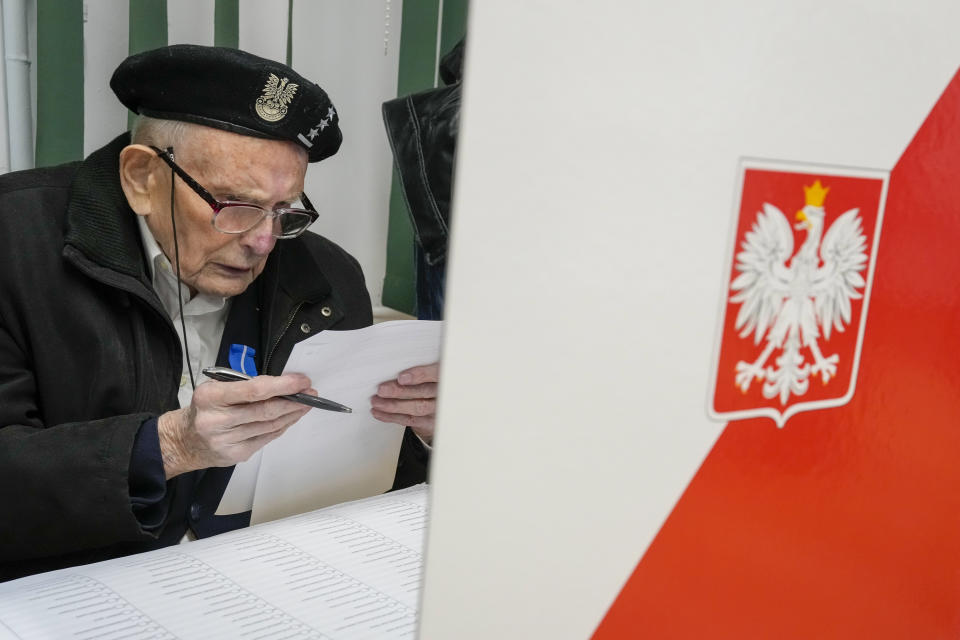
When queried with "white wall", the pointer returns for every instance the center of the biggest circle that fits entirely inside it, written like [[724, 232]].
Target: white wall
[[260, 18], [340, 45], [4, 124], [597, 170], [191, 22], [105, 45]]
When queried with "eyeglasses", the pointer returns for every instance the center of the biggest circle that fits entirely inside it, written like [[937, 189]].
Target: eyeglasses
[[240, 217]]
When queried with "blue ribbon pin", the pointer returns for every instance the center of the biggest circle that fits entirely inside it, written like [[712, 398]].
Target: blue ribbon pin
[[241, 359]]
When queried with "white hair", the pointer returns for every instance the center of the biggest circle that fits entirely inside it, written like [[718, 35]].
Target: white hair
[[160, 133], [175, 133]]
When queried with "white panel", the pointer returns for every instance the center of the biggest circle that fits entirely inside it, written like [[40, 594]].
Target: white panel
[[32, 46], [190, 21], [340, 46], [263, 28], [4, 123], [105, 45], [20, 82], [597, 169]]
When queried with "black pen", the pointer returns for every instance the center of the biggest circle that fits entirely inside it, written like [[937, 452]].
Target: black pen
[[223, 374]]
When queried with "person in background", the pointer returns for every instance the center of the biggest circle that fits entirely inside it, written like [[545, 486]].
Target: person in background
[[422, 130], [181, 245]]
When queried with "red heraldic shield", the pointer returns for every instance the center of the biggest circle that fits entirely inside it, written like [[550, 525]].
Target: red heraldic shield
[[797, 290]]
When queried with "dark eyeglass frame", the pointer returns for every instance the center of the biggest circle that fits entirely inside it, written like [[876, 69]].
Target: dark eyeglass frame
[[217, 205]]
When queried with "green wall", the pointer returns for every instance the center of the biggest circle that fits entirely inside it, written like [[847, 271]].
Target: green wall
[[59, 81]]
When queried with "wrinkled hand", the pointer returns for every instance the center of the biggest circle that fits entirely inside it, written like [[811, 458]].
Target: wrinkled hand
[[410, 400], [227, 422]]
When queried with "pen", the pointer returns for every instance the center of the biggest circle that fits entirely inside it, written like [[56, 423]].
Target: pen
[[223, 374]]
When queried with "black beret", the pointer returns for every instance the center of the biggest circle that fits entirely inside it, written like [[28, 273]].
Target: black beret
[[232, 90]]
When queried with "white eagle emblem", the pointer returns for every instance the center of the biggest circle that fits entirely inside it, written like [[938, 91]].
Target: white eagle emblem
[[791, 300], [277, 94]]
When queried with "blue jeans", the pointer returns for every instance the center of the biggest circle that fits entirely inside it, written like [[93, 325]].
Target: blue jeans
[[430, 283]]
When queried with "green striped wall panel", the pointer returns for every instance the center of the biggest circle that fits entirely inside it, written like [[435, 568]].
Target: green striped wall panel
[[59, 81]]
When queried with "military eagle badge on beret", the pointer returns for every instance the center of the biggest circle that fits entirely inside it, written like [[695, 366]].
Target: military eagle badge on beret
[[277, 94]]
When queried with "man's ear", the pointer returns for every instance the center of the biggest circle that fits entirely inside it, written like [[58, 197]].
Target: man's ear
[[138, 177]]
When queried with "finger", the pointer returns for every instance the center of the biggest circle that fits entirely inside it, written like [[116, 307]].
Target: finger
[[243, 434], [241, 451], [418, 407], [264, 387], [247, 391], [267, 410], [422, 424], [393, 389], [220, 419], [420, 374]]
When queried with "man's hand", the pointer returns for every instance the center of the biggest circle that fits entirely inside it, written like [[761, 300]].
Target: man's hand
[[227, 422], [410, 400]]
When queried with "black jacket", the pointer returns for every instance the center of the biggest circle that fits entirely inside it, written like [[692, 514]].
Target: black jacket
[[88, 354], [422, 131]]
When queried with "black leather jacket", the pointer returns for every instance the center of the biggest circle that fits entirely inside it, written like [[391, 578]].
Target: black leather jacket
[[422, 129], [88, 354]]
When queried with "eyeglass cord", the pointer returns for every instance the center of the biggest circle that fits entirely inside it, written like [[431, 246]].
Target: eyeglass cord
[[176, 253]]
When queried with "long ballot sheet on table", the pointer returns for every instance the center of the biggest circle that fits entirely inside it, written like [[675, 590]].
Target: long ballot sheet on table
[[348, 571]]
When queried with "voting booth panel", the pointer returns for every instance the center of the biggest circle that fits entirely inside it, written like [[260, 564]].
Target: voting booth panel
[[700, 374], [845, 523]]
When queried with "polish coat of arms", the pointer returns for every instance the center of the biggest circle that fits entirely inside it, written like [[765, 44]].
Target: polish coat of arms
[[797, 292], [277, 94]]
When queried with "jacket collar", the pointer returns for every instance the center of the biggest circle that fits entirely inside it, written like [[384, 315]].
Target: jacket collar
[[102, 226], [100, 223], [297, 271]]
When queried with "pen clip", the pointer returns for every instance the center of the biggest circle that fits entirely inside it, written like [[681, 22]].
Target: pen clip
[[225, 374]]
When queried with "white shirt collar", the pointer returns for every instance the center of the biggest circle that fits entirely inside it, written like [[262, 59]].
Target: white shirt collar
[[150, 246], [164, 280]]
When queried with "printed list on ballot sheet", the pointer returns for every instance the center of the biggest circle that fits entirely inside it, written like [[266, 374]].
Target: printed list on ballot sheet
[[348, 571]]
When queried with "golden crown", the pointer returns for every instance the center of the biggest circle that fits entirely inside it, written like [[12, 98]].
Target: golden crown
[[815, 194]]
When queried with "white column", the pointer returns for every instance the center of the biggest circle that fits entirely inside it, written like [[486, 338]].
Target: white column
[[345, 48], [106, 43], [17, 76]]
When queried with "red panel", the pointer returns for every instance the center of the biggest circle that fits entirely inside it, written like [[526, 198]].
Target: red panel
[[846, 522]]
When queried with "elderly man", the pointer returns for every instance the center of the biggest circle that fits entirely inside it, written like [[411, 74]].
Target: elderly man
[[174, 248]]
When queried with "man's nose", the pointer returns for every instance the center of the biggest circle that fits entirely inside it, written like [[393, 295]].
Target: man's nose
[[260, 239]]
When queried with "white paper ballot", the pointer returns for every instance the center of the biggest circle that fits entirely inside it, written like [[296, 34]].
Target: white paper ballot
[[238, 496], [330, 457], [349, 572]]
